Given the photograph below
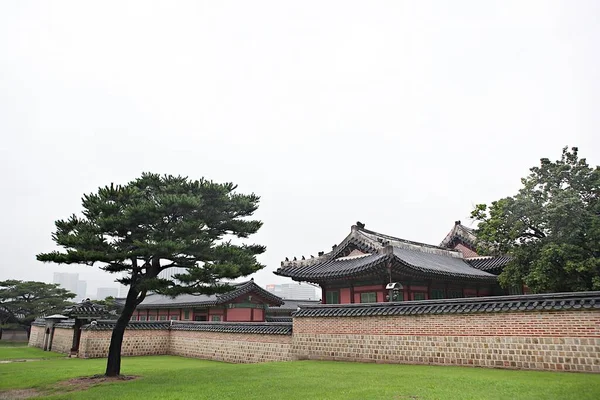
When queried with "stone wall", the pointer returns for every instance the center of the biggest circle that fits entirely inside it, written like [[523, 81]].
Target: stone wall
[[565, 337], [136, 342], [36, 336], [551, 332], [231, 347], [62, 341]]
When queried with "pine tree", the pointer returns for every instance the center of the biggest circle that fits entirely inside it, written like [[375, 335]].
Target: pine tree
[[157, 222]]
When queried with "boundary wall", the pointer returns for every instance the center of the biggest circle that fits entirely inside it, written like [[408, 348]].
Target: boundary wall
[[557, 332]]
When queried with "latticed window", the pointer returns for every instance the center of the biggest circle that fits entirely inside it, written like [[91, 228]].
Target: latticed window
[[369, 297], [419, 296], [332, 297], [455, 293], [216, 318], [142, 317], [186, 314], [162, 318], [437, 294]]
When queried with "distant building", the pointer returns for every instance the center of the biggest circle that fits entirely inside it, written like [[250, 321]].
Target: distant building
[[105, 292], [81, 290], [169, 272], [246, 302], [71, 282], [297, 291]]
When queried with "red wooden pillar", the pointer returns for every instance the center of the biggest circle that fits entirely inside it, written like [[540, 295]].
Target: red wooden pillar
[[323, 297]]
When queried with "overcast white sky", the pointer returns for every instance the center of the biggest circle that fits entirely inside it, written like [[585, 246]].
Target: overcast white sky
[[399, 114]]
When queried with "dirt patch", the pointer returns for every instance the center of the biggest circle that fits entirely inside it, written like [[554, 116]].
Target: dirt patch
[[22, 360], [18, 394], [87, 382], [72, 385]]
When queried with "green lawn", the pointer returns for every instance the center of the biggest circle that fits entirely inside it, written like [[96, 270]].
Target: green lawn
[[20, 351], [168, 377]]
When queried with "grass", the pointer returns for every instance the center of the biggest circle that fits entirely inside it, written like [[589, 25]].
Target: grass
[[20, 351], [169, 377]]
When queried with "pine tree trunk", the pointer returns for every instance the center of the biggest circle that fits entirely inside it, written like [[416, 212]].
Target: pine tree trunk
[[113, 365]]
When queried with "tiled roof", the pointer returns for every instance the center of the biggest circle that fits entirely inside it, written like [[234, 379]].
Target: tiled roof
[[86, 309], [271, 328], [134, 325], [271, 318], [411, 258], [69, 323], [292, 304], [545, 302], [39, 322], [334, 268], [459, 233], [190, 300], [439, 265], [489, 263]]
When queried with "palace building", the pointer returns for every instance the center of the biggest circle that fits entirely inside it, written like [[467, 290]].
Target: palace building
[[247, 302], [369, 267]]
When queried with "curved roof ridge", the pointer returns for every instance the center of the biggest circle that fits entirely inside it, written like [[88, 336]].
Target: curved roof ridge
[[389, 237]]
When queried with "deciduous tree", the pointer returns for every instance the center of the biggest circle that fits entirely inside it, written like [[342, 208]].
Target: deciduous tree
[[157, 222], [551, 227]]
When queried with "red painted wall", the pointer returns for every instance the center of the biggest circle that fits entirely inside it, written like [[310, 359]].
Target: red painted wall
[[345, 296], [371, 288], [258, 315], [239, 314]]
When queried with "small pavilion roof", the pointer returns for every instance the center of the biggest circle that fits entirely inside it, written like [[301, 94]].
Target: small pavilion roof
[[190, 300], [86, 309], [364, 251]]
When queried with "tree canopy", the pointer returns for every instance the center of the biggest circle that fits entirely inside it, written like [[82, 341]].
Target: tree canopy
[[109, 304], [551, 227], [157, 222], [21, 302]]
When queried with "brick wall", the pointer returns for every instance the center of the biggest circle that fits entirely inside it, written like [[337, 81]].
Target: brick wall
[[36, 336], [543, 332], [231, 347], [548, 340], [95, 343], [62, 340]]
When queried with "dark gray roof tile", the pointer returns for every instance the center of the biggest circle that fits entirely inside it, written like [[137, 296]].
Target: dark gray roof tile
[[271, 328], [537, 302], [489, 263], [190, 300], [439, 264]]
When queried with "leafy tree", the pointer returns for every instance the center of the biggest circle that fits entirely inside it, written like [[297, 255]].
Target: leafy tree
[[158, 222], [21, 302], [109, 304], [551, 227]]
